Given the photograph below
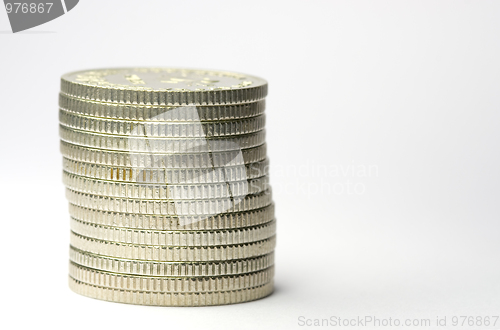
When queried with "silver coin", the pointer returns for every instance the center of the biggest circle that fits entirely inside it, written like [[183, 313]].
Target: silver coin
[[174, 238], [163, 175], [172, 253], [146, 190], [176, 269], [164, 86], [165, 129], [221, 221], [160, 113], [171, 298], [170, 284], [184, 209]]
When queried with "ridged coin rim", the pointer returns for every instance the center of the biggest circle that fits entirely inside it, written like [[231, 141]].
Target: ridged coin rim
[[139, 112], [155, 145], [164, 222], [170, 284], [174, 175], [171, 299], [138, 95], [172, 160], [178, 207], [164, 129], [172, 253], [166, 190], [166, 268], [174, 238]]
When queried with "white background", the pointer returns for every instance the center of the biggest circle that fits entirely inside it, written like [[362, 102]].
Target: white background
[[406, 89]]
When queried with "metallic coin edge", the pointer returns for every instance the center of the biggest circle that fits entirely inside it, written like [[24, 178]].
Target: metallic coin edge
[[173, 253], [208, 130], [122, 158], [171, 299], [147, 190], [125, 173], [168, 283], [208, 113], [221, 221], [175, 238], [169, 268]]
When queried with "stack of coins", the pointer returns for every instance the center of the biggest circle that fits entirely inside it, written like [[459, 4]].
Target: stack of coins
[[166, 175]]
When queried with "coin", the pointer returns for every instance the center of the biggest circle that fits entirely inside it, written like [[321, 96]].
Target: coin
[[153, 129], [146, 190], [177, 269], [171, 298], [164, 86], [160, 145], [172, 253], [166, 175], [178, 160], [170, 284], [160, 113], [162, 175], [174, 238], [173, 207], [218, 221]]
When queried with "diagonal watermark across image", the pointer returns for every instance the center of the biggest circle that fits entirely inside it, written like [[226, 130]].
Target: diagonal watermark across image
[[151, 168]]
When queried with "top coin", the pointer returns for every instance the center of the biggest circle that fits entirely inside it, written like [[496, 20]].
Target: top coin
[[164, 86]]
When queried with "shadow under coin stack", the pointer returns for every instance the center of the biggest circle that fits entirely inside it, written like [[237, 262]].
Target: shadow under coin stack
[[167, 180]]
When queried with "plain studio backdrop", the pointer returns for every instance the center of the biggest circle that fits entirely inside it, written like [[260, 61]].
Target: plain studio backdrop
[[383, 127]]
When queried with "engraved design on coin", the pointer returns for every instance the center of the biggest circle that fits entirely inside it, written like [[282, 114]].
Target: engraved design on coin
[[165, 79]]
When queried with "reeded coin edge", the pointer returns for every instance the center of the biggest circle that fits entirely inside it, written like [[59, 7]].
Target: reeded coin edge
[[171, 299]]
